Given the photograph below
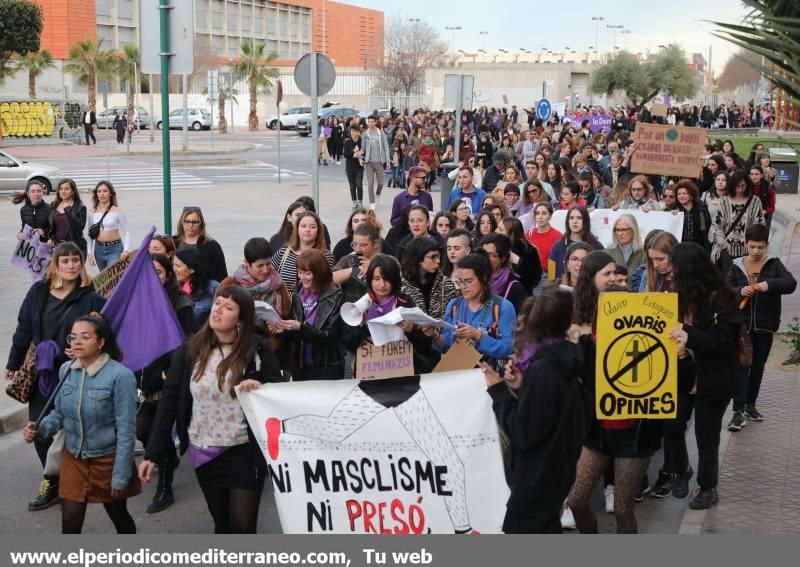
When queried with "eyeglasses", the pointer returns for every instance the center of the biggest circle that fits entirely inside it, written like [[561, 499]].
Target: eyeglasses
[[620, 229], [188, 221], [417, 177], [576, 259], [639, 188], [466, 282], [433, 257], [359, 245], [84, 337]]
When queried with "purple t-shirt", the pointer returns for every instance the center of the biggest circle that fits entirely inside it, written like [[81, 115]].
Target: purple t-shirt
[[310, 303], [406, 199]]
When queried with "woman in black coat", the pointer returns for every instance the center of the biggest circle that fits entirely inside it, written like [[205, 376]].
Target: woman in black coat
[[540, 407], [192, 234], [200, 399], [696, 218], [67, 217], [35, 212], [711, 320]]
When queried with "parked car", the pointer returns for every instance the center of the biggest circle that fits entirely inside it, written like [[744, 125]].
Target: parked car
[[304, 124], [289, 118], [105, 119], [198, 119], [15, 173]]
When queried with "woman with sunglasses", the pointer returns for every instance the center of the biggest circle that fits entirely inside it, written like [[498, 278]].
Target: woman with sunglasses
[[113, 240], [96, 409], [46, 316], [192, 234], [225, 357], [533, 193], [67, 216]]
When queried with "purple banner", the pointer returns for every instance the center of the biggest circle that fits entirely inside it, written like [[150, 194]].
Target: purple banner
[[31, 254], [598, 122]]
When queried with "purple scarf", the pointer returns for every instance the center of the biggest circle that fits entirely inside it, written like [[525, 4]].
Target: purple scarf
[[310, 302], [46, 354], [527, 354], [380, 308], [500, 281]]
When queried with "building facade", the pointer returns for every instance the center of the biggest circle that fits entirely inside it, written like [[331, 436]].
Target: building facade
[[349, 35]]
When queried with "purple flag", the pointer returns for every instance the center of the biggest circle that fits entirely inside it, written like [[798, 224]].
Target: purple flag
[[141, 314]]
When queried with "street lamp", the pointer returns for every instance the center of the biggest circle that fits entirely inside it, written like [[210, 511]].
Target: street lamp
[[626, 33], [615, 28], [483, 34], [414, 20], [597, 20], [453, 29]]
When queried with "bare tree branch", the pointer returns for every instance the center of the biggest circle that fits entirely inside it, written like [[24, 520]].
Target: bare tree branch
[[409, 48]]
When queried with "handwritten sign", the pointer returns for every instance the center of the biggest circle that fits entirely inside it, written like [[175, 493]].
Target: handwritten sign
[[31, 254], [387, 361], [637, 363], [107, 280], [668, 150], [658, 109]]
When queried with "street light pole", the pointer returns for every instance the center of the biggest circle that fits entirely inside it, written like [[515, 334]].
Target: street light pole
[[626, 33], [597, 20], [615, 28], [453, 29], [483, 35]]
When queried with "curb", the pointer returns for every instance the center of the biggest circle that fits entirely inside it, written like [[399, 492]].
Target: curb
[[13, 419], [175, 153], [204, 162]]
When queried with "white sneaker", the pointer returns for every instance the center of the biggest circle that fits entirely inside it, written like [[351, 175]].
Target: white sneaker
[[567, 519], [609, 493], [372, 206]]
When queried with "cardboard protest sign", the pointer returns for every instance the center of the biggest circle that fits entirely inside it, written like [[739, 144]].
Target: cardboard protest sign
[[407, 455], [386, 361], [668, 150], [659, 109], [461, 356], [107, 280], [636, 371], [32, 254], [602, 221]]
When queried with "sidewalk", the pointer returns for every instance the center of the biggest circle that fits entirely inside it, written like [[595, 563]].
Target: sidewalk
[[760, 465]]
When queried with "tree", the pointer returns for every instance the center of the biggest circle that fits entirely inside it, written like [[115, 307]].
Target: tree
[[89, 61], [666, 72], [35, 63], [253, 66], [743, 68], [20, 32], [128, 64], [771, 30], [410, 47], [225, 92]]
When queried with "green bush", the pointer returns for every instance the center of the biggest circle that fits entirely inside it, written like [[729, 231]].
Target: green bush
[[793, 338]]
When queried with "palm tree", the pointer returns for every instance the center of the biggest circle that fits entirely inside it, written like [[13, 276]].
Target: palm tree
[[89, 61], [35, 62], [225, 92], [253, 66], [772, 30], [127, 64]]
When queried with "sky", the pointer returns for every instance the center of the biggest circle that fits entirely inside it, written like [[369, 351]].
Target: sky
[[514, 24]]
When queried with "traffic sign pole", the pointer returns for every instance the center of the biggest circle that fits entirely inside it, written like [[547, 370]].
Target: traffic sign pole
[[165, 147], [314, 134]]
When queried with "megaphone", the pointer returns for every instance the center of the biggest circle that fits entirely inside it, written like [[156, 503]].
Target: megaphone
[[353, 313]]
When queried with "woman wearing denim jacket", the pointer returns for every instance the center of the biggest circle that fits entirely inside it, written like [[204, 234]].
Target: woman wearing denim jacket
[[96, 408]]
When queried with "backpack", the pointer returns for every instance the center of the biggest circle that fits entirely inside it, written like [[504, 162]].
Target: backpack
[[491, 330]]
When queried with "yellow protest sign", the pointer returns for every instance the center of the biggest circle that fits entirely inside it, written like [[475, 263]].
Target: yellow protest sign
[[636, 371]]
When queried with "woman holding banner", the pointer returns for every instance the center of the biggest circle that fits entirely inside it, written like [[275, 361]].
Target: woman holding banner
[[45, 318], [711, 321], [626, 246], [629, 442], [35, 211], [539, 406], [226, 356]]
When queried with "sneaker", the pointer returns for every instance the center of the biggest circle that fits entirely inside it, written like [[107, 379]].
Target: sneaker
[[48, 495], [737, 421], [567, 519], [680, 485], [644, 490], [608, 491], [372, 206], [704, 499], [663, 486], [338, 163], [752, 413]]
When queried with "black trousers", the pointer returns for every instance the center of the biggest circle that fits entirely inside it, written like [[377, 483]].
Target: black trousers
[[35, 407], [89, 131], [355, 177], [749, 379], [676, 456], [543, 518], [707, 426]]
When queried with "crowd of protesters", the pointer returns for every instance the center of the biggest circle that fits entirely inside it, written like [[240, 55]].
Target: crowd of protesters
[[526, 301]]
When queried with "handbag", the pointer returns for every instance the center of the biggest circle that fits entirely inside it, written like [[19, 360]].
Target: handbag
[[744, 347], [94, 230], [23, 381]]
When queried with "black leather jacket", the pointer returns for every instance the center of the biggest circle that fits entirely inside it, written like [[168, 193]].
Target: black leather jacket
[[76, 214], [325, 335]]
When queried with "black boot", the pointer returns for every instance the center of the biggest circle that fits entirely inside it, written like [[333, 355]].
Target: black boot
[[163, 497], [48, 495]]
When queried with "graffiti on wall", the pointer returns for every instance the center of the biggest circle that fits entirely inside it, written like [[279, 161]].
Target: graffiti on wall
[[58, 119]]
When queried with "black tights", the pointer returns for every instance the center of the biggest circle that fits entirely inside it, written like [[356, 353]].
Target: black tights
[[234, 510], [73, 514]]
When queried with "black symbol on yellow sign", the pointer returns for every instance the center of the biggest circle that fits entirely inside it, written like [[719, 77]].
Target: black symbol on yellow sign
[[636, 364]]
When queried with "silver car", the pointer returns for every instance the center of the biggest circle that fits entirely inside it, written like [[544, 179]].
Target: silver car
[[197, 118], [105, 119], [15, 173]]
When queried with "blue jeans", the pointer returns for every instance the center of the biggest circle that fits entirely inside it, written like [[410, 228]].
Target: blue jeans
[[106, 253]]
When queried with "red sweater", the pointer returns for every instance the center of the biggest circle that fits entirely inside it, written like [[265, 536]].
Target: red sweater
[[768, 200], [543, 241]]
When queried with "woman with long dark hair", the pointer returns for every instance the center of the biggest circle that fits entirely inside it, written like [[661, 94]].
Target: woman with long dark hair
[[192, 274], [539, 406], [35, 212], [45, 318], [67, 216], [284, 233], [192, 234], [225, 357], [710, 318], [113, 239], [504, 281], [96, 408], [525, 258], [485, 223], [737, 212], [577, 228], [151, 382]]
